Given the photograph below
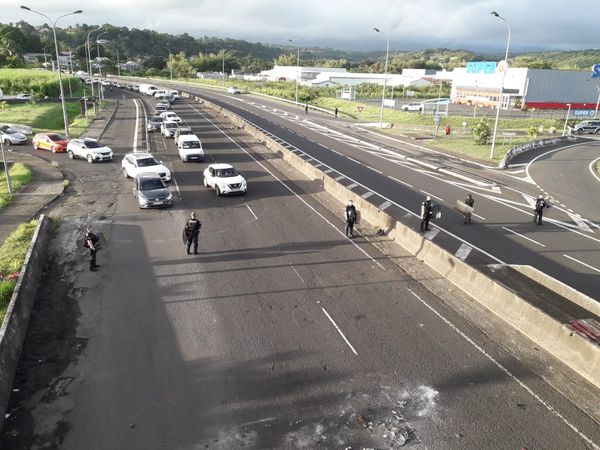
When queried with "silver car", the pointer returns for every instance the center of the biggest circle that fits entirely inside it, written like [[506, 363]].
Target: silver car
[[11, 136]]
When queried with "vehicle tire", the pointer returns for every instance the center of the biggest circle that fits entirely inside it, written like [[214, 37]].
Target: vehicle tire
[[218, 191], [70, 153], [597, 131], [35, 147], [125, 175], [183, 159], [90, 159], [205, 183], [580, 131]]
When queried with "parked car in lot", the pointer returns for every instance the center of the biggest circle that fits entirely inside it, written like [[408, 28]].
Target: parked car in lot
[[234, 90], [11, 136], [224, 179], [154, 123], [135, 163], [190, 148], [168, 127], [51, 141], [587, 126], [24, 97], [89, 149], [415, 106], [151, 191], [170, 115], [181, 131]]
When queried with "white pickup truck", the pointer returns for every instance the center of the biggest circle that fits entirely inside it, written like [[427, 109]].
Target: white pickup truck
[[89, 149]]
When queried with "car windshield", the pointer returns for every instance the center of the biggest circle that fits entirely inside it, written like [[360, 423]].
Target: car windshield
[[226, 173], [191, 144], [147, 162], [151, 183], [184, 132], [9, 130], [155, 119], [93, 144], [170, 125], [55, 137]]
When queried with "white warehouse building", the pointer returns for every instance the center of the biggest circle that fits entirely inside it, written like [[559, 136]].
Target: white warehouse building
[[302, 74]]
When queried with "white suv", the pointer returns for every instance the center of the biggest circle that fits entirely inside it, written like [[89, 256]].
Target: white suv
[[168, 127], [224, 179], [89, 149], [135, 163]]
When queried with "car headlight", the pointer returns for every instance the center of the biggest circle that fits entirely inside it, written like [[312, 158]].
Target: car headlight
[[142, 198], [169, 196]]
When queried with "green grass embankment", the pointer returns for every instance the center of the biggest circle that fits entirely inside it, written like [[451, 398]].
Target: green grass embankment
[[20, 176], [12, 256]]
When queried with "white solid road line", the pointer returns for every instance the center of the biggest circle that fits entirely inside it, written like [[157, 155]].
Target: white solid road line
[[548, 407], [137, 124], [400, 181], [337, 229], [478, 216], [593, 170], [250, 209], [431, 195], [524, 237], [582, 263], [339, 331]]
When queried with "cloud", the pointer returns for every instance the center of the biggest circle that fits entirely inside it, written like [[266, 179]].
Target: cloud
[[348, 23]]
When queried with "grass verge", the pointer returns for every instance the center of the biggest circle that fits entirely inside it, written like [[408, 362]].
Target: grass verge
[[12, 256], [20, 176]]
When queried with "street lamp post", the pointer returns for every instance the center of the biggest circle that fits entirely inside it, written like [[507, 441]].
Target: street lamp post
[[566, 119], [298, 75], [170, 63], [118, 62], [387, 54], [8, 185], [62, 94], [223, 68], [98, 42], [89, 55], [495, 14]]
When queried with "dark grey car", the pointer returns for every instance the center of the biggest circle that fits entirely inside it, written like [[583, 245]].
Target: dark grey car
[[151, 191], [154, 123], [587, 126]]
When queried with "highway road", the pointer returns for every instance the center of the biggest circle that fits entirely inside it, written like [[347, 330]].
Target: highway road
[[281, 333], [398, 174]]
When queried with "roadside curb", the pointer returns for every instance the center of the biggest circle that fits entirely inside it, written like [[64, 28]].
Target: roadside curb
[[15, 324]]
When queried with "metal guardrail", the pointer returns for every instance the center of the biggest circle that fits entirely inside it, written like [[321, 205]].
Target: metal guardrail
[[533, 145]]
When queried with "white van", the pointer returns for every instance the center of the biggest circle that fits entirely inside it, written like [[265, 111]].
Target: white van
[[190, 148], [160, 93], [148, 89], [174, 94]]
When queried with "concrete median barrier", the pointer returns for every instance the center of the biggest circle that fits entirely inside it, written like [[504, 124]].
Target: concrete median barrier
[[580, 354], [16, 321]]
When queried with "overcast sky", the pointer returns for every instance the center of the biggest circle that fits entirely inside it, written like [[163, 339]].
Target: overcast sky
[[346, 24]]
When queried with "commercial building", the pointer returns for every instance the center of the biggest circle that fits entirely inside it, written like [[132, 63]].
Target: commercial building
[[479, 84], [291, 73]]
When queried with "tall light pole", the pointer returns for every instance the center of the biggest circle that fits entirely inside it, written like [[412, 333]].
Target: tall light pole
[[223, 68], [505, 69], [566, 119], [89, 54], [98, 42], [118, 62], [387, 54], [170, 63], [298, 70], [62, 94]]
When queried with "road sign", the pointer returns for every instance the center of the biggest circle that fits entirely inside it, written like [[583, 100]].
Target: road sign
[[596, 71], [360, 108]]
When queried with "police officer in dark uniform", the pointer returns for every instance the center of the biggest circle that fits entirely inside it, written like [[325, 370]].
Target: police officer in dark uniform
[[191, 232], [91, 243], [538, 212], [350, 219], [426, 213], [469, 201]]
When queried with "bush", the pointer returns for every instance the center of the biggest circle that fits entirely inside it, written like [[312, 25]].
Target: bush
[[533, 131], [38, 83], [482, 132]]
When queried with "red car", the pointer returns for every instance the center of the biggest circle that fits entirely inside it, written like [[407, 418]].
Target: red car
[[53, 142]]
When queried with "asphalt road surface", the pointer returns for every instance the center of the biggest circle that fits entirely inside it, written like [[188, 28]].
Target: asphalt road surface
[[281, 333], [400, 174]]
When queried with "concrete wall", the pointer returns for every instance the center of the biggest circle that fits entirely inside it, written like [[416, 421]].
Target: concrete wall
[[16, 321], [572, 349]]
